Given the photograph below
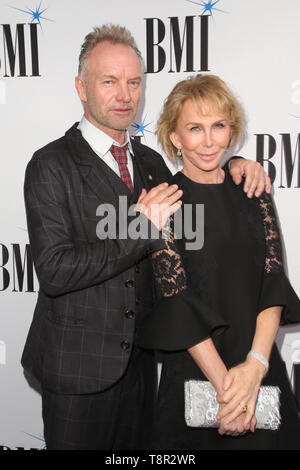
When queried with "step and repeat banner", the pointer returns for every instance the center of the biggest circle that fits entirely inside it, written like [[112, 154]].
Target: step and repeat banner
[[252, 45]]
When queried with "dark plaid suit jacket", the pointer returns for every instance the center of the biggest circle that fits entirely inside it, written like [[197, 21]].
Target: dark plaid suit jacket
[[80, 337]]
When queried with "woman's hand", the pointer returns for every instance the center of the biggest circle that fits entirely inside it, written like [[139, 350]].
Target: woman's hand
[[241, 385], [236, 427]]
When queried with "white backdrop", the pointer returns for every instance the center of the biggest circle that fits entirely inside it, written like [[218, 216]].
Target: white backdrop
[[253, 45]]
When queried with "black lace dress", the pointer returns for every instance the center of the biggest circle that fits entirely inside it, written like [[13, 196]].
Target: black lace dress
[[219, 291]]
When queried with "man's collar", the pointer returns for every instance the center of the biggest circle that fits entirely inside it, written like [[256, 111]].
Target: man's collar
[[99, 140]]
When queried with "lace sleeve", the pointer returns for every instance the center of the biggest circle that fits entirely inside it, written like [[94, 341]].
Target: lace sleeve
[[273, 256], [276, 288], [168, 270], [180, 319]]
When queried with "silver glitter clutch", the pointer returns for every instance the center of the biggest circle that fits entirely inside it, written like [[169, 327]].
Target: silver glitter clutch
[[201, 406]]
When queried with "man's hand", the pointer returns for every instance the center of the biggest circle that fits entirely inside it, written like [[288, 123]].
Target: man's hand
[[256, 180], [159, 203]]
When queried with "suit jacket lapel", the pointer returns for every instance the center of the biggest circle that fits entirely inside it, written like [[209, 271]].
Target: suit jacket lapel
[[101, 179], [147, 171]]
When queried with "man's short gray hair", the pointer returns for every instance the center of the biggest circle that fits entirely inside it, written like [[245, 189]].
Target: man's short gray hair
[[108, 32]]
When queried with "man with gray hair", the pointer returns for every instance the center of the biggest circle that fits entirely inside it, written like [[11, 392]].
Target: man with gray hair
[[98, 386]]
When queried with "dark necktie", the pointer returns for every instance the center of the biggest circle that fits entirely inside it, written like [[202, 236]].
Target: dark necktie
[[120, 155]]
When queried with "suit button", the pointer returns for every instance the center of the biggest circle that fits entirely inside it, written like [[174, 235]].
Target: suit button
[[137, 269], [129, 283], [129, 314], [125, 345], [137, 300]]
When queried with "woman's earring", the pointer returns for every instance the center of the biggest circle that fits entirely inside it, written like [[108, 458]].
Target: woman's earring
[[179, 154]]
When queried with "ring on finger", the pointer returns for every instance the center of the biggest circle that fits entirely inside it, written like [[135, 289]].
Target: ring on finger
[[244, 407]]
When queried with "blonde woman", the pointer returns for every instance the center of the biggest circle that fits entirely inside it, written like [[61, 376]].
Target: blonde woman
[[220, 305]]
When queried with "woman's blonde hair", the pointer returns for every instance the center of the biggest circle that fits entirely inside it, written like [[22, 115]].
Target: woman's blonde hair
[[209, 94]]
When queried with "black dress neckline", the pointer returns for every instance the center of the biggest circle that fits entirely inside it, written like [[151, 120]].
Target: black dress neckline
[[204, 185]]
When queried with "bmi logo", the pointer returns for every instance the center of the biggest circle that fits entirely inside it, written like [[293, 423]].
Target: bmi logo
[[19, 51], [286, 167], [180, 44], [188, 44], [20, 55], [16, 268]]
